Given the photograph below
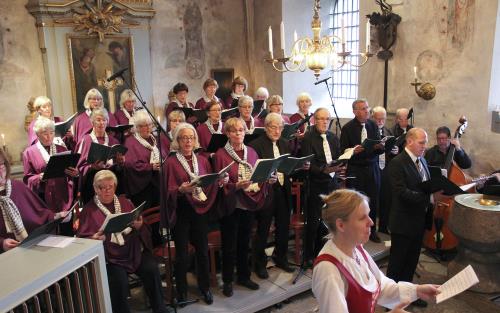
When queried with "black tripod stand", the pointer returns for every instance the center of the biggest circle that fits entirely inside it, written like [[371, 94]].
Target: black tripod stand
[[165, 233], [302, 267]]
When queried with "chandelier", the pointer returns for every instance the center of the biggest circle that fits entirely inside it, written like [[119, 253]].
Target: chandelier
[[318, 52]]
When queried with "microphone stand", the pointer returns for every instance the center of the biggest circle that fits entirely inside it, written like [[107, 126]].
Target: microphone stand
[[302, 267], [167, 234], [338, 127]]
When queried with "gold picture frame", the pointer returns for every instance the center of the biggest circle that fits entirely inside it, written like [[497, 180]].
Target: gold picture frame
[[89, 60]]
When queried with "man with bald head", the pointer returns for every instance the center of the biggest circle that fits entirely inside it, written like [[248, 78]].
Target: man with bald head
[[410, 207]]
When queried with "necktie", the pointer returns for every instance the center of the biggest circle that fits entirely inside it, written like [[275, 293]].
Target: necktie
[[364, 134], [381, 157], [326, 149], [420, 169], [276, 152]]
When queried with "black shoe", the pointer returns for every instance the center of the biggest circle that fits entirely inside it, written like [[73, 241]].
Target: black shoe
[[375, 238], [181, 299], [261, 272], [227, 289], [419, 303], [249, 284], [285, 267], [207, 297]]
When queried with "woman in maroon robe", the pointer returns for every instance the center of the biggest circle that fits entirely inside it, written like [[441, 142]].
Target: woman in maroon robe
[[245, 107], [304, 103], [274, 104], [213, 125], [99, 119], [127, 108], [188, 207], [56, 192], [238, 88], [22, 210], [82, 124], [181, 93], [240, 198], [174, 118], [143, 162], [210, 87], [126, 252], [43, 107]]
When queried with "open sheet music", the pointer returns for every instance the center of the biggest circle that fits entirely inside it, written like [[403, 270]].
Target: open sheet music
[[457, 284]]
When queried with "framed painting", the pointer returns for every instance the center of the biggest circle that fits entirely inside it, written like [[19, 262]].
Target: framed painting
[[224, 78], [91, 62]]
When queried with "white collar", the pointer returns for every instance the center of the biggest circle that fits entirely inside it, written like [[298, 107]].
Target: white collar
[[412, 156]]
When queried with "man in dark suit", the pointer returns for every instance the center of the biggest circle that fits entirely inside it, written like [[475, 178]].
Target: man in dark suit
[[268, 147], [322, 177], [410, 208], [363, 165]]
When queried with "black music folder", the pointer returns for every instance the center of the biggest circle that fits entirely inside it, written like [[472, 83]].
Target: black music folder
[[209, 179], [234, 103], [60, 162], [216, 141], [115, 223], [292, 164], [251, 137], [440, 183], [368, 143], [62, 128], [257, 107], [264, 168], [119, 128], [200, 115], [103, 153], [228, 113], [46, 228]]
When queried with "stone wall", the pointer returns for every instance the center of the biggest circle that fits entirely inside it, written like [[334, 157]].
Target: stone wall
[[451, 43]]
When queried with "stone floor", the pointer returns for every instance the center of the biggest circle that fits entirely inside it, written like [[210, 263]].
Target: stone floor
[[430, 271]]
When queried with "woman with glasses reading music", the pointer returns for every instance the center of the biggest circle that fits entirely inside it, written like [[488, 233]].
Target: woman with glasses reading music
[[213, 125], [188, 207], [240, 199]]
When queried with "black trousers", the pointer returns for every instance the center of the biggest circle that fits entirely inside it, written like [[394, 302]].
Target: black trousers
[[150, 194], [385, 198], [280, 210], [367, 181], [236, 230], [190, 227], [149, 274], [404, 255], [314, 232]]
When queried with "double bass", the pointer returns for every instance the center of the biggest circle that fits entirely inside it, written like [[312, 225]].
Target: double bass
[[440, 237]]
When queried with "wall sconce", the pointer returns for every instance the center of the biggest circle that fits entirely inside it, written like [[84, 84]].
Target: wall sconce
[[427, 91]]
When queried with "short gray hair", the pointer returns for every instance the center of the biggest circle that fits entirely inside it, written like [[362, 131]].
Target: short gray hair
[[262, 92], [126, 95], [176, 114], [92, 93], [141, 117], [401, 111], [273, 117], [273, 99], [174, 146], [245, 99], [41, 100], [99, 112], [360, 100], [42, 123], [303, 96], [379, 109], [319, 110], [104, 175]]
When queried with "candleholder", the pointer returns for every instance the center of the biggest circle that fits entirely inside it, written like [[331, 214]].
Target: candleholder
[[7, 154], [427, 91]]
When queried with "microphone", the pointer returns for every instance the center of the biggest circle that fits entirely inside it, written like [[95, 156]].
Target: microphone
[[117, 74], [322, 81], [410, 114]]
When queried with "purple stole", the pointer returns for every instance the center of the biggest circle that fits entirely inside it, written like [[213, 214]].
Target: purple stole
[[127, 256], [33, 211], [250, 200], [58, 192], [175, 175]]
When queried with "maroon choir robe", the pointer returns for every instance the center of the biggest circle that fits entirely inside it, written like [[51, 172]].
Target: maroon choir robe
[[34, 212], [174, 104], [121, 118], [285, 118], [138, 172], [57, 192], [202, 103], [204, 134], [32, 137], [175, 175], [228, 102], [250, 200], [127, 256], [82, 125]]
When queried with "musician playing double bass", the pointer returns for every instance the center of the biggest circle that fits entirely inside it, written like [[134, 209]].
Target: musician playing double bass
[[436, 156]]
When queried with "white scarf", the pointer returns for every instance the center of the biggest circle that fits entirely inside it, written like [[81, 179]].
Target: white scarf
[[211, 127], [130, 120], [252, 126], [46, 155], [207, 99], [198, 193], [106, 143], [182, 105], [235, 96], [11, 216], [155, 153], [244, 168], [116, 238]]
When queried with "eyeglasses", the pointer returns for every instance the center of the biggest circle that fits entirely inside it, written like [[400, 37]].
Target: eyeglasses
[[275, 104], [186, 138], [214, 110], [246, 107], [95, 98], [145, 125], [274, 127], [323, 119], [367, 108], [106, 188], [238, 130]]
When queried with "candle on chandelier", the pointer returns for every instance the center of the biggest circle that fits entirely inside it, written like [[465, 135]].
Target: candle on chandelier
[[368, 36], [158, 118], [342, 28], [270, 38], [295, 37], [282, 35], [415, 72], [3, 141]]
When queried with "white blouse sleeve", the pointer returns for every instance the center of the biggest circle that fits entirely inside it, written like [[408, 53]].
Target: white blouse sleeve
[[329, 288]]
